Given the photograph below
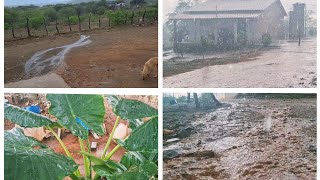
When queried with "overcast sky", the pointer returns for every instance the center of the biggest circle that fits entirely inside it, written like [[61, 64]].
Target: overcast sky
[[34, 2]]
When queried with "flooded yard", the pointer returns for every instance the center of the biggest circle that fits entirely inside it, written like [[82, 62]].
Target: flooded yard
[[93, 58], [245, 139], [286, 66]]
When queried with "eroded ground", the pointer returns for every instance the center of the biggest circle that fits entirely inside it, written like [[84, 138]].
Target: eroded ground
[[114, 58], [252, 139], [287, 66]]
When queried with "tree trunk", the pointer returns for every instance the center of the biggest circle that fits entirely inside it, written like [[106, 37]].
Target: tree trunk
[[45, 26], [155, 15], [109, 21], [188, 98], [99, 21], [79, 23], [28, 28], [196, 100], [218, 103], [69, 24], [12, 31], [89, 21], [144, 15], [125, 21], [57, 27], [132, 17]]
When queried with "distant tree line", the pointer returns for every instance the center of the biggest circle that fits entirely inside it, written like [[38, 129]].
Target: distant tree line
[[103, 13]]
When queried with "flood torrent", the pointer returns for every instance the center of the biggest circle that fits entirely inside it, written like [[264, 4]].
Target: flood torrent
[[49, 59]]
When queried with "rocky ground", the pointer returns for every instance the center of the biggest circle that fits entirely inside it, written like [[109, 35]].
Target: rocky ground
[[251, 139]]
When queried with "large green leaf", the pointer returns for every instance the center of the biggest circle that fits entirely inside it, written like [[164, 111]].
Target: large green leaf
[[72, 108], [144, 138], [130, 109], [139, 171], [26, 158], [24, 117]]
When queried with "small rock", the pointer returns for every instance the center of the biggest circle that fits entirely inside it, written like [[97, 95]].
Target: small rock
[[170, 154]]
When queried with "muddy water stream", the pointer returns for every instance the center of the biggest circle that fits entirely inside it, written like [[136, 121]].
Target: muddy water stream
[[46, 60], [252, 139]]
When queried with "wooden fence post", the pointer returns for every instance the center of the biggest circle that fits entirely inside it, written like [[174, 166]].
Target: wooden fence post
[[28, 28], [45, 26]]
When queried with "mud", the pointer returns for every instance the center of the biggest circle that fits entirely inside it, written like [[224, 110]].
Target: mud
[[252, 139], [288, 66], [114, 58]]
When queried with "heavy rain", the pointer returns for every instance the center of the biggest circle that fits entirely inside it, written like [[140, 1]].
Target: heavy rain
[[234, 44]]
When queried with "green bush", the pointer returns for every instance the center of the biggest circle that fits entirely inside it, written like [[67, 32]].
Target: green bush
[[36, 22], [7, 26], [266, 39]]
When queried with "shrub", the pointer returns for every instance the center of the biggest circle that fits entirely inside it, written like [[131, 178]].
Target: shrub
[[266, 39], [36, 22]]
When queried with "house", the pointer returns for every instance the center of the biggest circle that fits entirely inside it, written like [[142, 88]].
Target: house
[[229, 22]]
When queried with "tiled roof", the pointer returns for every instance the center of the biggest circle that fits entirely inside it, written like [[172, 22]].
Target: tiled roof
[[232, 5]]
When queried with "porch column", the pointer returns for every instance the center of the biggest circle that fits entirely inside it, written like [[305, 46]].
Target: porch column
[[215, 33], [235, 32], [174, 35]]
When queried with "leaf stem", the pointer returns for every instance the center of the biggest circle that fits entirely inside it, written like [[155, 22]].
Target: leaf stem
[[112, 152], [110, 137], [64, 147], [85, 159]]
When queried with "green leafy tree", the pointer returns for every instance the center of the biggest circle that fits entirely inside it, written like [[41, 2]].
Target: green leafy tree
[[100, 12], [79, 11], [10, 18], [67, 12], [52, 16], [137, 2]]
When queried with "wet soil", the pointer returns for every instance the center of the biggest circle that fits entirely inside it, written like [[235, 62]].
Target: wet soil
[[288, 66], [115, 58], [252, 139]]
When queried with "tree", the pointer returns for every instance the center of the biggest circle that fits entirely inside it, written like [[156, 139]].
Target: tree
[[218, 103], [196, 100], [11, 17], [188, 98], [79, 11], [100, 12], [137, 2], [52, 16], [67, 12]]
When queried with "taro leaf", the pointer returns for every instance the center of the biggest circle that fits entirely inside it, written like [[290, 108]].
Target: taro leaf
[[72, 108], [144, 138], [130, 109], [26, 158], [25, 118], [133, 124], [132, 158], [139, 171]]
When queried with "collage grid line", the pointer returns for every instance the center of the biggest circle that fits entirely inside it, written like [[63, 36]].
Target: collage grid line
[[147, 91]]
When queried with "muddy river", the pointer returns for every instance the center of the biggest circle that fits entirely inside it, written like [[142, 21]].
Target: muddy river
[[251, 139]]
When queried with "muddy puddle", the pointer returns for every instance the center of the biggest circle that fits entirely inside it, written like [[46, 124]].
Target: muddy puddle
[[251, 139], [47, 60]]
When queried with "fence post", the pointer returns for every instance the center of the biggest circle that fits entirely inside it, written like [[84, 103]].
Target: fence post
[[57, 27], [28, 28], [90, 21], [45, 26]]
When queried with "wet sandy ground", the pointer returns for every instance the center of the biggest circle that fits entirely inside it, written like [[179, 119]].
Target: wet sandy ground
[[284, 67], [115, 58], [253, 139]]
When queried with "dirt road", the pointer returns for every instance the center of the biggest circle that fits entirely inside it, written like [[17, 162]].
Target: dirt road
[[114, 58], [253, 139], [284, 67]]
